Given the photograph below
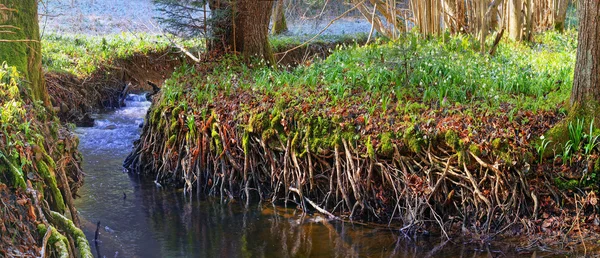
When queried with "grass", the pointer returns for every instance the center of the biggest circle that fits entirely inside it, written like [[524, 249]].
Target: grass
[[81, 55], [433, 72], [410, 87]]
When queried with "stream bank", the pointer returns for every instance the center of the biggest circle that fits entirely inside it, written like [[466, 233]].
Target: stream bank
[[140, 219], [395, 133]]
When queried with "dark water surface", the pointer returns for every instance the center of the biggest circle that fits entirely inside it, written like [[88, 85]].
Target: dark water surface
[[139, 219]]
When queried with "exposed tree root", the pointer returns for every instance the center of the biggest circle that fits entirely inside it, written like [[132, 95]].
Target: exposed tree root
[[415, 190]]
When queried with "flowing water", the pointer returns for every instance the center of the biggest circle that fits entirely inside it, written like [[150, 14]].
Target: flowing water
[[140, 219]]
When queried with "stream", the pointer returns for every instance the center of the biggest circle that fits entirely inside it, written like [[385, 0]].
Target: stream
[[140, 219]]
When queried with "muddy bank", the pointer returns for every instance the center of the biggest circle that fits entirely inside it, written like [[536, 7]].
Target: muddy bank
[[75, 99]]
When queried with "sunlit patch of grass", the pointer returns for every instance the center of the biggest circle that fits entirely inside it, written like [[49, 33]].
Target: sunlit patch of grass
[[83, 54]]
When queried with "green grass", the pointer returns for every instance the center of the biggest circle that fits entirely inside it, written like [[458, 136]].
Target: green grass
[[82, 55], [436, 72]]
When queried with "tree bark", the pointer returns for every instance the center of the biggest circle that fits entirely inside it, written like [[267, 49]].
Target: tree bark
[[586, 82], [560, 14], [279, 22], [242, 26], [20, 45], [251, 30], [515, 21]]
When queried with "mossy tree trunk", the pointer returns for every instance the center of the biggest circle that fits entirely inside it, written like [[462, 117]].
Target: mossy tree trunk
[[279, 22], [20, 44], [586, 83]]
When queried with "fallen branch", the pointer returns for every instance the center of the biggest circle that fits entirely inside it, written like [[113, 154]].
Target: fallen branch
[[314, 205]]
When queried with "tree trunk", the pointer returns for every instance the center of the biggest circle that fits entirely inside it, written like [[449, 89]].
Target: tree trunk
[[560, 14], [279, 22], [515, 20], [251, 30], [586, 82], [20, 44]]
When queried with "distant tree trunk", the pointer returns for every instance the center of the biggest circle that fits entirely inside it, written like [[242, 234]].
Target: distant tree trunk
[[515, 20], [560, 14], [529, 20], [251, 30], [279, 22], [20, 46], [586, 82]]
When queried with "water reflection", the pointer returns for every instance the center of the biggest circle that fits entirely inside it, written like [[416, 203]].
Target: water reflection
[[138, 219]]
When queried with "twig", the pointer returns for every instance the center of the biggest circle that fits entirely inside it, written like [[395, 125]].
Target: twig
[[45, 242], [320, 32]]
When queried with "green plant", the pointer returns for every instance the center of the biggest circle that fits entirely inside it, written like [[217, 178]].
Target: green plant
[[576, 134], [592, 140], [567, 152], [541, 148]]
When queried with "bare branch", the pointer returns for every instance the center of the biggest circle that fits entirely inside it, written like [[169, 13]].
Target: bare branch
[[320, 32]]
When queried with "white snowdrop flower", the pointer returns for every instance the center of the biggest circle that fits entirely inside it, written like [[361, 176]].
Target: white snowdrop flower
[[542, 137]]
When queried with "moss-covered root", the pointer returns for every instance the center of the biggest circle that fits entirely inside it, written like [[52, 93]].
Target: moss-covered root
[[16, 174], [49, 177], [59, 242], [69, 227]]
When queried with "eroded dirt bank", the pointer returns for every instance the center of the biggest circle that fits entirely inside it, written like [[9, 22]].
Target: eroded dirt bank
[[75, 99]]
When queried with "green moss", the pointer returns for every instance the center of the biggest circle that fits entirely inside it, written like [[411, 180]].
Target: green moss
[[452, 140], [475, 149], [499, 145], [49, 177], [559, 134], [216, 138], [246, 142], [16, 174], [69, 227], [571, 184], [24, 55], [296, 140], [268, 134], [257, 123], [386, 147], [413, 139], [276, 122], [58, 241], [171, 141], [173, 127], [370, 149]]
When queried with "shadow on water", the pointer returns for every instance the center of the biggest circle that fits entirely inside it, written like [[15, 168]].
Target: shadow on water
[[139, 219]]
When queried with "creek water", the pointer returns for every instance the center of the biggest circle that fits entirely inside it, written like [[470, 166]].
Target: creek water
[[139, 219]]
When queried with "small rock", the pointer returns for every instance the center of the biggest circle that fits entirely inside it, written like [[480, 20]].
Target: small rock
[[110, 127], [86, 121]]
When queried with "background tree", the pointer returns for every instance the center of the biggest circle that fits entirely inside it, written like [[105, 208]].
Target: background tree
[[279, 22], [20, 44], [239, 26], [586, 82]]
